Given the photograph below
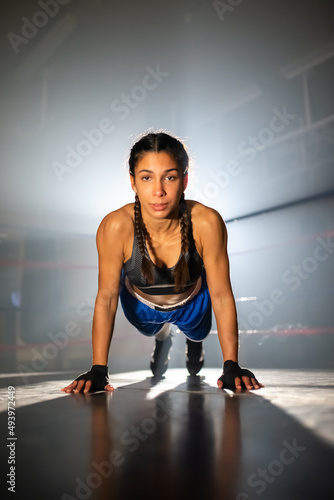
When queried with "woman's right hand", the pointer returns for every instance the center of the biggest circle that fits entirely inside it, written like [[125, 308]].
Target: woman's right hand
[[97, 379]]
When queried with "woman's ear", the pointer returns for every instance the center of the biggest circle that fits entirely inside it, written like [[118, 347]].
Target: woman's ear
[[133, 185], [185, 182]]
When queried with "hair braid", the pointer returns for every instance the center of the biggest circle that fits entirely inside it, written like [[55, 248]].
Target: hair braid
[[141, 232], [181, 272]]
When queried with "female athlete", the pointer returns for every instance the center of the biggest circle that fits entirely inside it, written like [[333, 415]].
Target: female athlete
[[166, 259]]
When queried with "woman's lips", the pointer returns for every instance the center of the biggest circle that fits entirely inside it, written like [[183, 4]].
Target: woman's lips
[[159, 206]]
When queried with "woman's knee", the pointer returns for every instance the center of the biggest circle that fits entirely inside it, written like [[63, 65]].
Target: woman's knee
[[164, 332]]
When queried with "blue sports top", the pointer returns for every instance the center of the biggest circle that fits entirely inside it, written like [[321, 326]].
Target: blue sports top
[[163, 276]]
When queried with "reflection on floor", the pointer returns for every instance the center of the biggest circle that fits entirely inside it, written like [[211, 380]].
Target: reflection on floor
[[180, 438]]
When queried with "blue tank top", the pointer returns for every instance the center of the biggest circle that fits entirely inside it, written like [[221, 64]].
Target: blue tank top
[[163, 276]]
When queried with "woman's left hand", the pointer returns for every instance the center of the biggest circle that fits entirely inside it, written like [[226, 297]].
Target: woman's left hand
[[237, 379]]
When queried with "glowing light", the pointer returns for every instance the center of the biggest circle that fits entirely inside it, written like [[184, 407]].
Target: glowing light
[[245, 299]]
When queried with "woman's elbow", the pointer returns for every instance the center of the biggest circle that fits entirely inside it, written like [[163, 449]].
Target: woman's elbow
[[106, 299]]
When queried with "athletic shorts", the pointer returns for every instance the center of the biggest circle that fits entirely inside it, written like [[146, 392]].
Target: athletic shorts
[[193, 318]]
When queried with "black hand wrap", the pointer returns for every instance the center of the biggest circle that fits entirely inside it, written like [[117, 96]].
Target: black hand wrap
[[232, 370], [99, 376]]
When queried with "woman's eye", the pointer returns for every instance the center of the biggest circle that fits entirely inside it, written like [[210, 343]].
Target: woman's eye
[[145, 178], [171, 177]]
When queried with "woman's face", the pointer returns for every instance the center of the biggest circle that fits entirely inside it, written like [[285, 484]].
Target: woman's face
[[159, 184]]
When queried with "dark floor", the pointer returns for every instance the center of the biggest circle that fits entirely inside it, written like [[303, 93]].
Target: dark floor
[[179, 439]]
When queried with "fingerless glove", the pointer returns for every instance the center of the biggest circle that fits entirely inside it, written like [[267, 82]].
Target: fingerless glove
[[99, 375], [232, 370]]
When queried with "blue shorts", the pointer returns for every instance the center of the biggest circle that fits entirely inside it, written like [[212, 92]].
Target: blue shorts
[[193, 318]]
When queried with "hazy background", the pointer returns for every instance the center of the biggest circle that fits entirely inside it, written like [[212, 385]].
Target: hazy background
[[248, 85]]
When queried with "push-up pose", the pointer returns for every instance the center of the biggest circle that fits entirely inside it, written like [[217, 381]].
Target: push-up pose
[[166, 259]]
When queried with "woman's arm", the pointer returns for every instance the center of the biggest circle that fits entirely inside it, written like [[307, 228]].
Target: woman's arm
[[213, 237], [214, 248], [110, 246], [109, 241]]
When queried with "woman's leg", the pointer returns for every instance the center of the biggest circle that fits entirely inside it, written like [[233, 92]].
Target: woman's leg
[[194, 356], [195, 322], [160, 354], [164, 332]]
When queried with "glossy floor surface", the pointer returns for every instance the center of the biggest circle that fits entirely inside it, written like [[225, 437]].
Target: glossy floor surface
[[180, 438]]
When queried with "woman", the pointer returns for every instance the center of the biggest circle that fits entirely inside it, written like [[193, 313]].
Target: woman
[[166, 259]]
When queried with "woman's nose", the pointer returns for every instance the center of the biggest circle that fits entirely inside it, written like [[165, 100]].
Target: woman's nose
[[158, 189]]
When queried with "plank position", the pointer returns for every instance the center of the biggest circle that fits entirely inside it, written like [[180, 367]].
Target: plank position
[[166, 259]]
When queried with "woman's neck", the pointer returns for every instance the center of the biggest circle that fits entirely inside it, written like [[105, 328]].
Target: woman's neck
[[158, 227]]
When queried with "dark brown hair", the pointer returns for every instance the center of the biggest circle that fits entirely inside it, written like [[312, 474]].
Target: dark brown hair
[[156, 143]]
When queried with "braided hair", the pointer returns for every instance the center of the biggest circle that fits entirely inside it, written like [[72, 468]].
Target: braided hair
[[156, 143]]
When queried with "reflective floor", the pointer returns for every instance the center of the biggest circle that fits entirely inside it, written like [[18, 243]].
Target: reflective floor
[[181, 438]]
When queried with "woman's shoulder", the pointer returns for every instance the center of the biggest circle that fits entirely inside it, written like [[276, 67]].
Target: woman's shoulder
[[208, 226], [201, 214], [118, 222]]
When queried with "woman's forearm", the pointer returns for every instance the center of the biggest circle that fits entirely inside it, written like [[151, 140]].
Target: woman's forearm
[[103, 328], [227, 327]]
